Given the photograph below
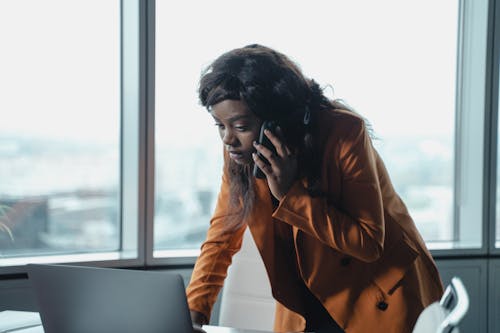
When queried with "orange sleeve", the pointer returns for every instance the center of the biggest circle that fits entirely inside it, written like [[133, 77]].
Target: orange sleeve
[[356, 226], [216, 254]]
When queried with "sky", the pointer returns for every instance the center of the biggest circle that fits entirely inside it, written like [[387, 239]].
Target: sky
[[394, 61]]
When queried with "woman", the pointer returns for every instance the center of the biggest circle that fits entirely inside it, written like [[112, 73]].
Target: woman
[[341, 251]]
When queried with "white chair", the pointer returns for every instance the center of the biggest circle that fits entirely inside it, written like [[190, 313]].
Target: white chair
[[246, 301], [445, 315]]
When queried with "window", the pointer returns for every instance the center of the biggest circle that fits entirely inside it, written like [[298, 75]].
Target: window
[[397, 72], [105, 153], [495, 149], [60, 128]]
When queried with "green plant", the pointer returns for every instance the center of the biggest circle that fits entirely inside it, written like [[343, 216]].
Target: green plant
[[4, 218]]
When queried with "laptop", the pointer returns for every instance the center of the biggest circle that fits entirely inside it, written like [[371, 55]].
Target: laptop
[[79, 299]]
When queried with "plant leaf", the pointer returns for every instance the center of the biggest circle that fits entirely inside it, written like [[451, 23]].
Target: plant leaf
[[7, 230]]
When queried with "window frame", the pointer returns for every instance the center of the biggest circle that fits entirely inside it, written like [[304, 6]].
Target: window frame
[[154, 257], [470, 134], [132, 158], [470, 131], [491, 125], [138, 140]]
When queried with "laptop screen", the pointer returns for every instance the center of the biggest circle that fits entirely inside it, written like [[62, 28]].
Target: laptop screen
[[78, 299]]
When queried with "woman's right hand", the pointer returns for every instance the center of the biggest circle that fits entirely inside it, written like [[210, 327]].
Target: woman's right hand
[[198, 320], [198, 329]]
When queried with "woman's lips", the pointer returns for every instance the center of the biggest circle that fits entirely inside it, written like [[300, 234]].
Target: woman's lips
[[235, 155]]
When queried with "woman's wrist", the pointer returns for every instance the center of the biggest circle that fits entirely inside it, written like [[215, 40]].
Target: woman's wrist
[[198, 318]]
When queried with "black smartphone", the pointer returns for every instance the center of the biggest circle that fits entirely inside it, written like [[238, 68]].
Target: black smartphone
[[264, 140]]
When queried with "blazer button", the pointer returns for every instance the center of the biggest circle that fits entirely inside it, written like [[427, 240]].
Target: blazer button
[[382, 305], [345, 261]]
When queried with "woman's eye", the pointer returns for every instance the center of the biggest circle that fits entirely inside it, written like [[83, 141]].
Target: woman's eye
[[241, 128]]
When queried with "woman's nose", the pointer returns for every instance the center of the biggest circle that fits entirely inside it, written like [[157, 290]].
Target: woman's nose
[[228, 138]]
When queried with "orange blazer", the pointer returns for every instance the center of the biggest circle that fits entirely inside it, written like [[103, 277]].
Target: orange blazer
[[357, 248]]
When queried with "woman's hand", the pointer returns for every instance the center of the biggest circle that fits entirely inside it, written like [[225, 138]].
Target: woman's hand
[[197, 328], [198, 320], [282, 171]]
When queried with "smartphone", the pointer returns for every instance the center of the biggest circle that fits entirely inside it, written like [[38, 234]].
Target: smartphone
[[264, 140]]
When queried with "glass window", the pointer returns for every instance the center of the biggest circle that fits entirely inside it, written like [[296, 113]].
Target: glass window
[[60, 127], [497, 215], [377, 55]]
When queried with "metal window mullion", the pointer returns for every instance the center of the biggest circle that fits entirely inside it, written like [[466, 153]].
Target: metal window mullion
[[469, 136], [473, 113], [491, 124], [132, 143], [149, 56], [457, 197]]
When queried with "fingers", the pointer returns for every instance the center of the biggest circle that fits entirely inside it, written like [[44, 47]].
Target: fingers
[[282, 155], [278, 142], [267, 153], [266, 168], [281, 171], [198, 329], [278, 161]]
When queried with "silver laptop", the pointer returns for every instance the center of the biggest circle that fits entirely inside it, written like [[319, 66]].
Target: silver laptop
[[78, 299]]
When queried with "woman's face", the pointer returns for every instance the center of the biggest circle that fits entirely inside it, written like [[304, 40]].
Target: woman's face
[[238, 129]]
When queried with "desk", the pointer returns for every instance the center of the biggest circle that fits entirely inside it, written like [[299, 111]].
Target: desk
[[208, 329], [220, 329], [31, 322]]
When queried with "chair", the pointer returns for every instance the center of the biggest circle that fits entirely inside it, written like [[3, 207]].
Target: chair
[[247, 302], [445, 315]]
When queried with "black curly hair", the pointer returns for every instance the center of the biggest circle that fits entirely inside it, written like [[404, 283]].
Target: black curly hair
[[273, 88]]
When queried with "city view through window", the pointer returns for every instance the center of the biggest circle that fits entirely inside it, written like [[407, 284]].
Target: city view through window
[[60, 128], [381, 71]]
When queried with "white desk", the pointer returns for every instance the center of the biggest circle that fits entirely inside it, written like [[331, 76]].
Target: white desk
[[11, 320], [208, 329], [220, 329], [37, 329], [32, 324]]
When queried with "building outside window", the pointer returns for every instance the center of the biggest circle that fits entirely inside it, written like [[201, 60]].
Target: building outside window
[[60, 127], [86, 143], [398, 73]]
